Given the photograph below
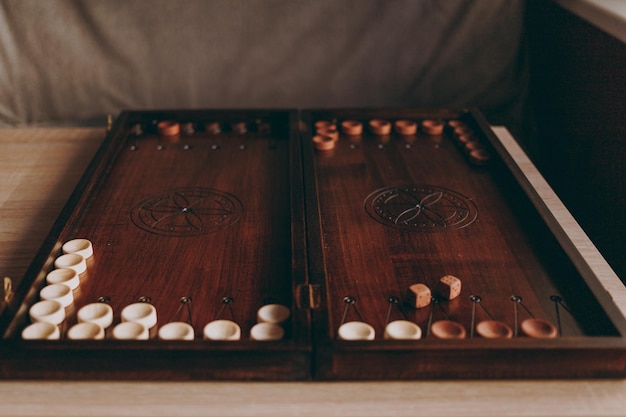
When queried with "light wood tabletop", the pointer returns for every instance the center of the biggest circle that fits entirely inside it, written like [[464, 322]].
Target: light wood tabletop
[[39, 168]]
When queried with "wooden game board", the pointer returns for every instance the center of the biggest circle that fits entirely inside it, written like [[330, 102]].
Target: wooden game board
[[210, 224]]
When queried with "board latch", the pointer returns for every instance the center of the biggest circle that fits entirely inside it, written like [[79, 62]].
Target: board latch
[[308, 296]]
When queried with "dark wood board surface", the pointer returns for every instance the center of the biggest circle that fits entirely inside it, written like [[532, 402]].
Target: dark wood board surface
[[200, 215], [483, 230], [260, 216]]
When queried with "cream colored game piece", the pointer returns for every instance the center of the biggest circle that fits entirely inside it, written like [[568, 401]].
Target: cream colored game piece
[[176, 330], [48, 311], [273, 313], [356, 330], [82, 247], [130, 330], [65, 276], [225, 330], [72, 261], [57, 292], [97, 313], [144, 313], [267, 332], [403, 330], [41, 331], [85, 331]]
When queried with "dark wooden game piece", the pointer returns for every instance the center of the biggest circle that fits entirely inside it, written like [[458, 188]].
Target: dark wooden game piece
[[323, 143], [489, 329], [380, 127], [331, 132], [446, 329], [240, 128], [325, 124], [462, 130], [539, 328], [188, 128], [432, 127], [479, 156], [405, 127], [471, 146], [168, 128], [532, 327], [213, 128], [352, 127], [493, 329]]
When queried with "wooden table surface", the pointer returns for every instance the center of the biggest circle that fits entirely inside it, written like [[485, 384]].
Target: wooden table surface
[[39, 168]]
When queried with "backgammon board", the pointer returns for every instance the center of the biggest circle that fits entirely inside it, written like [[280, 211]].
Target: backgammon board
[[347, 244]]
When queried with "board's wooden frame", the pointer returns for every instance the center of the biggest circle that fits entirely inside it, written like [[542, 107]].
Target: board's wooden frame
[[312, 352]]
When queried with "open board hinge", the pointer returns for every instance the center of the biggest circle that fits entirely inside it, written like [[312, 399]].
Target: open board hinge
[[308, 296]]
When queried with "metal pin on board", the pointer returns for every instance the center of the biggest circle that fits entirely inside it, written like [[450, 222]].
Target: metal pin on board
[[443, 329], [185, 302], [349, 301], [226, 302], [394, 301], [558, 302], [489, 329], [223, 329], [400, 329], [531, 327], [357, 329]]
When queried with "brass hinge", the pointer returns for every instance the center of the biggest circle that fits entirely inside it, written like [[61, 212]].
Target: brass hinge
[[8, 289], [308, 296]]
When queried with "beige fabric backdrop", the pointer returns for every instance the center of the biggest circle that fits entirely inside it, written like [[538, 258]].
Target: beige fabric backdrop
[[76, 61]]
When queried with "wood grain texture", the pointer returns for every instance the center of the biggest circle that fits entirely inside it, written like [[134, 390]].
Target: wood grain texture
[[471, 398], [201, 216], [508, 250]]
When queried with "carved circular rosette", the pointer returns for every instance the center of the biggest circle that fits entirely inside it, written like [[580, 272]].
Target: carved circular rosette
[[422, 208], [186, 212]]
